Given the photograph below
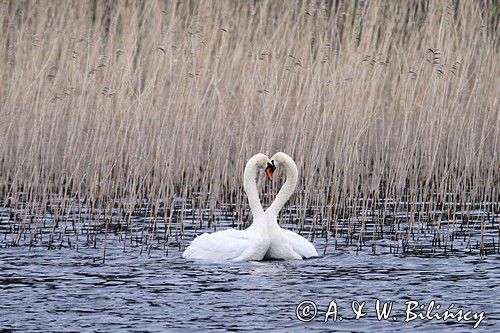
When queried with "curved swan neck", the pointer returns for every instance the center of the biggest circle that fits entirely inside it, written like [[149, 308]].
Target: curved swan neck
[[250, 186], [292, 175]]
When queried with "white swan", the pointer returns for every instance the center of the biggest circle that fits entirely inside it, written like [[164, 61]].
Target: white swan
[[285, 244], [239, 245]]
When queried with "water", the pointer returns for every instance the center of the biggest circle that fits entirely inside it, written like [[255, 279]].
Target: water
[[60, 283], [390, 227], [65, 290]]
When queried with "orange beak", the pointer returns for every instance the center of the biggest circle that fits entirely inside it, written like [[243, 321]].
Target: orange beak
[[269, 174]]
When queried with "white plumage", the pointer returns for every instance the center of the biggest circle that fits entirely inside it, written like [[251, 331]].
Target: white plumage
[[238, 245], [286, 244], [264, 238]]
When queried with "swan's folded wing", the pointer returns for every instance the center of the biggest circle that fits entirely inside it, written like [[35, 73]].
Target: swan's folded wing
[[222, 245], [300, 245]]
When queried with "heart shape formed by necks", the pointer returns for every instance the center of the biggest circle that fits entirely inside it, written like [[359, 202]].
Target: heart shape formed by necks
[[264, 237]]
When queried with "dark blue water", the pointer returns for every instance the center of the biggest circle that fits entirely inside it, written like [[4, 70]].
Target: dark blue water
[[53, 276], [66, 290]]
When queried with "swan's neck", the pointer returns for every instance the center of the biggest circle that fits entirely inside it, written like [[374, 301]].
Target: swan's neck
[[250, 187], [292, 175]]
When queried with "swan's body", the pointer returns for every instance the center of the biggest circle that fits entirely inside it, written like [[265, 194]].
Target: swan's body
[[230, 244], [264, 238], [286, 244], [238, 245]]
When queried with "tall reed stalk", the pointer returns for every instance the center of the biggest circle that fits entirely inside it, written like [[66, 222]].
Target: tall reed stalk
[[108, 103]]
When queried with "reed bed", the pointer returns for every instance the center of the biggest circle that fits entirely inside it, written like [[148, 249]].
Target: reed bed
[[118, 105]]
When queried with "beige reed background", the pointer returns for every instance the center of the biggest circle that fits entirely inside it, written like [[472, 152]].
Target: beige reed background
[[111, 102]]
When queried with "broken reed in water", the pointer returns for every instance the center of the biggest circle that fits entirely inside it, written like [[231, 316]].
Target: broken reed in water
[[107, 105]]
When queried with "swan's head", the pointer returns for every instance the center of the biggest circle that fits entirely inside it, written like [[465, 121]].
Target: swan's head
[[284, 159], [263, 162], [280, 158], [270, 167]]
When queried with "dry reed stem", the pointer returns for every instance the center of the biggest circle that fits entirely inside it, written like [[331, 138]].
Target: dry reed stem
[[111, 104]]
